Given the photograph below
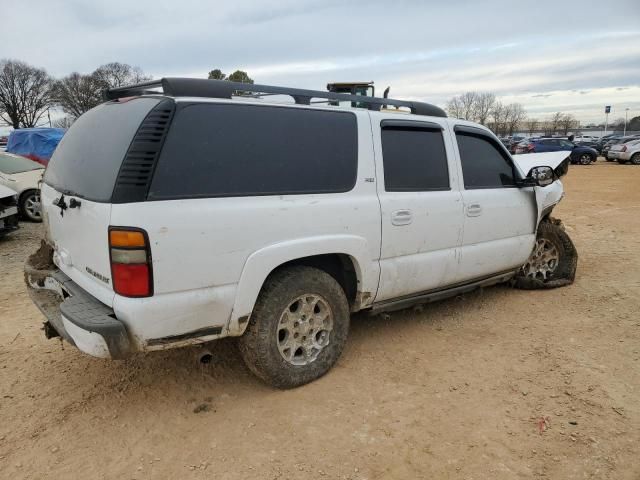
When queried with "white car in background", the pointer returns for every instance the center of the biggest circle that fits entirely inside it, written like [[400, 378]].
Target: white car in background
[[626, 152], [23, 175]]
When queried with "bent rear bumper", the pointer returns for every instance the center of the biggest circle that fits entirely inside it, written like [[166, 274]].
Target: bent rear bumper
[[75, 315]]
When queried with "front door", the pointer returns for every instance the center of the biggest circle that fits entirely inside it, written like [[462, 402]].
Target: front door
[[421, 205], [499, 217]]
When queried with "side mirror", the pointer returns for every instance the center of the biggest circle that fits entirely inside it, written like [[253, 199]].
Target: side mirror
[[541, 176]]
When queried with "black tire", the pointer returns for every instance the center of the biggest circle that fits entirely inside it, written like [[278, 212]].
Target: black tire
[[621, 161], [635, 158], [585, 159], [259, 344], [27, 203], [552, 231]]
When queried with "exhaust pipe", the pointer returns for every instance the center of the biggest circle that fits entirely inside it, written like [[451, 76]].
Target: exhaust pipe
[[204, 356]]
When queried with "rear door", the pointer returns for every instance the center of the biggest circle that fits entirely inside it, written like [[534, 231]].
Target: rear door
[[421, 205], [78, 186]]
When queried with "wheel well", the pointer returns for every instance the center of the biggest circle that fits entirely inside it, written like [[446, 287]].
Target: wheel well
[[338, 265], [25, 192]]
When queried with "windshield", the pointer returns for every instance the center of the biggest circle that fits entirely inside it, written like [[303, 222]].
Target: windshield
[[11, 164]]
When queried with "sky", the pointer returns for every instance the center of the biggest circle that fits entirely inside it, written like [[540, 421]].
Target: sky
[[569, 56]]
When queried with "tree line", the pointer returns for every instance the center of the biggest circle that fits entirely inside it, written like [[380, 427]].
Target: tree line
[[506, 119], [27, 92]]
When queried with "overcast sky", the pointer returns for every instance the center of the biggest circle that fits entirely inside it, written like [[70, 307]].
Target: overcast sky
[[563, 55]]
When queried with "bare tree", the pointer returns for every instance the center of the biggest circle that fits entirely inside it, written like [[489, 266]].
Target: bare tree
[[25, 93], [498, 116], [568, 122], [77, 93], [532, 124], [468, 101], [454, 109], [554, 122], [514, 116], [484, 104], [116, 74], [64, 122]]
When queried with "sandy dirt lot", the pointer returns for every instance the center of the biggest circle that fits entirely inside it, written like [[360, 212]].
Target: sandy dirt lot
[[461, 389]]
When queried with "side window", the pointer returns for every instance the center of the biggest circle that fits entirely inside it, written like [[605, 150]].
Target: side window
[[414, 159], [222, 150], [483, 164]]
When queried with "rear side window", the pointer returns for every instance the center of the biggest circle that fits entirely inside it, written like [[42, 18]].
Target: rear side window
[[87, 159], [414, 160], [239, 150], [483, 164]]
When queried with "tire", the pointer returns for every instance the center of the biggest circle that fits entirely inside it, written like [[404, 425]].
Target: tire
[[556, 243], [585, 159], [29, 206], [635, 158], [278, 320], [621, 161]]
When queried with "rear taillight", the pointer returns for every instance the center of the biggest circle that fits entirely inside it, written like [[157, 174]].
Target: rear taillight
[[131, 267], [530, 147]]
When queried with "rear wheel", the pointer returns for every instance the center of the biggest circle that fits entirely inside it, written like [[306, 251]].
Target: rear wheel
[[298, 328], [635, 159], [552, 262], [29, 205]]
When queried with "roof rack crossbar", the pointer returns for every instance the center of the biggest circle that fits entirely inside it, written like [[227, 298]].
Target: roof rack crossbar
[[199, 87]]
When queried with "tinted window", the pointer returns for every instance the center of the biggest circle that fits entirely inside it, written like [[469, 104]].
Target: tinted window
[[483, 164], [237, 150], [88, 158], [414, 160], [565, 143]]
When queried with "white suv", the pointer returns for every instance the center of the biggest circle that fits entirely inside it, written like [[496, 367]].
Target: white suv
[[178, 217]]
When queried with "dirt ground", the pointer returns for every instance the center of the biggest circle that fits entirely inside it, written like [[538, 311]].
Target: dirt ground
[[462, 389]]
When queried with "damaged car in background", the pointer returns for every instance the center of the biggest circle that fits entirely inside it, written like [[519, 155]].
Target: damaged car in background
[[285, 219]]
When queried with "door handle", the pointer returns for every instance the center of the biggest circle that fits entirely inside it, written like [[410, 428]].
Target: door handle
[[401, 217], [474, 210]]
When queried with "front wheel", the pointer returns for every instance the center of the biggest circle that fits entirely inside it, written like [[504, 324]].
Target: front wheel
[[585, 159], [552, 262], [298, 327], [29, 206], [635, 159]]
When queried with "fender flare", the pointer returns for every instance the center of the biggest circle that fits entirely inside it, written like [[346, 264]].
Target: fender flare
[[261, 263]]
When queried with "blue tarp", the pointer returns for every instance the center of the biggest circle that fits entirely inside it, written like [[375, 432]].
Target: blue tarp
[[35, 143]]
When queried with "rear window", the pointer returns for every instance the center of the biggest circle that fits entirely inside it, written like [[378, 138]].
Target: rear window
[[88, 158], [215, 150], [10, 164]]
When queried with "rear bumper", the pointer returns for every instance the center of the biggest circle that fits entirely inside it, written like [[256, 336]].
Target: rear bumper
[[75, 315]]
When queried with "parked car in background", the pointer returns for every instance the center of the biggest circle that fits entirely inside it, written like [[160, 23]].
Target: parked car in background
[[3, 141], [38, 144], [23, 176], [8, 210], [616, 141], [584, 138], [626, 152], [579, 154]]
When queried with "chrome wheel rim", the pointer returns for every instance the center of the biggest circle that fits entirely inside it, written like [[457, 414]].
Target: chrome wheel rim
[[585, 159], [304, 329], [543, 260], [32, 206]]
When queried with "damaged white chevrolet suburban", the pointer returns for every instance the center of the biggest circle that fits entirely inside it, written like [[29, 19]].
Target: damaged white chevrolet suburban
[[182, 211]]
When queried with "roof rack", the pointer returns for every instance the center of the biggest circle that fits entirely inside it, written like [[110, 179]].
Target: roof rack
[[199, 87]]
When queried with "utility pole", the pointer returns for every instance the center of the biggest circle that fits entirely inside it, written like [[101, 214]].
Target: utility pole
[[626, 115], [607, 111]]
